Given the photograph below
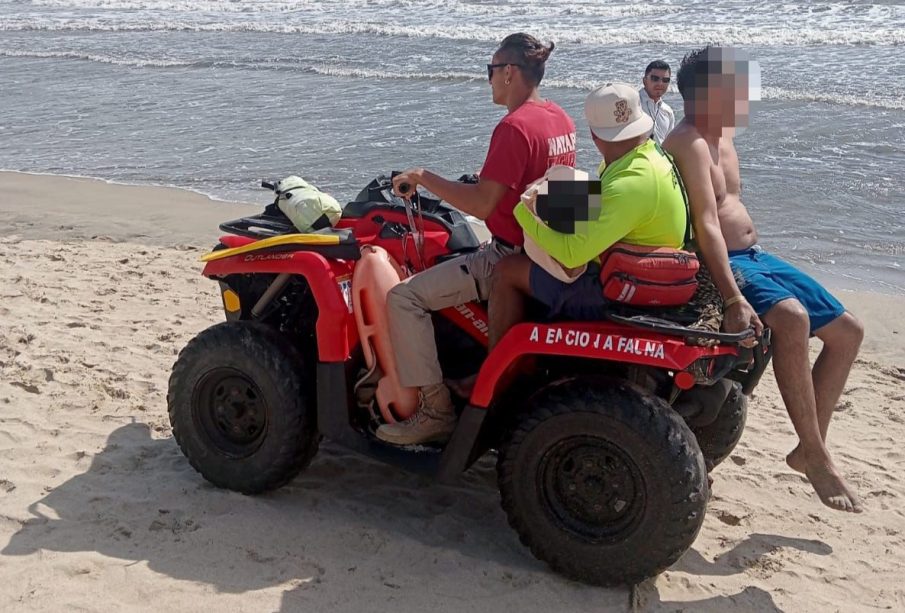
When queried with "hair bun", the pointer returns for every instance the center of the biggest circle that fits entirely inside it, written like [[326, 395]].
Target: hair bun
[[546, 51], [527, 51], [540, 53]]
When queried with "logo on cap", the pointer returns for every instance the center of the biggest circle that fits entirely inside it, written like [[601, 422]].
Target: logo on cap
[[622, 112]]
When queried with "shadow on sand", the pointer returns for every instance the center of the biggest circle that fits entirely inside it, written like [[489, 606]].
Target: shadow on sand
[[140, 501]]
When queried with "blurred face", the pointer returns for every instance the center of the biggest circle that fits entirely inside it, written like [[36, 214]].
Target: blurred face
[[656, 82], [567, 206], [724, 103]]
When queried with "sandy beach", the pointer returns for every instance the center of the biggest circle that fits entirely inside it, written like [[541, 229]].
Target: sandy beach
[[100, 287]]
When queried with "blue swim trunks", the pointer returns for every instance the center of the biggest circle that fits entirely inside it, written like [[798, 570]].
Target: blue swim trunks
[[581, 300], [766, 280]]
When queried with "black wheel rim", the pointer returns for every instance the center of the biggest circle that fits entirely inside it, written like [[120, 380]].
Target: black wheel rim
[[230, 412], [592, 488]]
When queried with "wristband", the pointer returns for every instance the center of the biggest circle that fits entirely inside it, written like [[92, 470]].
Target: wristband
[[728, 302]]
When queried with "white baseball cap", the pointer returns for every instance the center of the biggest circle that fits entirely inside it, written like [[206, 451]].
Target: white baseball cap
[[614, 113]]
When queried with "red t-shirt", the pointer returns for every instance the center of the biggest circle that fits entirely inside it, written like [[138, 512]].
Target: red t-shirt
[[525, 143]]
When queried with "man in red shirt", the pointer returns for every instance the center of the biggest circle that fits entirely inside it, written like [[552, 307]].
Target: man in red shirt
[[533, 136]]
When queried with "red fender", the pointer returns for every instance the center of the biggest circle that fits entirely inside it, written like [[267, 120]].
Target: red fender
[[470, 317], [328, 279], [599, 341], [232, 241]]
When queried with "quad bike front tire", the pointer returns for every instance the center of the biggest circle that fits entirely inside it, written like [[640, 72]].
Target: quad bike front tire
[[242, 408], [603, 481], [718, 438]]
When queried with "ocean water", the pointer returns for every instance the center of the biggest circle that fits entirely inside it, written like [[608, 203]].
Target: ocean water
[[213, 95]]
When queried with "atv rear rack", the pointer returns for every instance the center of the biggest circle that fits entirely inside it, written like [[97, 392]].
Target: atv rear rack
[[665, 326], [756, 357]]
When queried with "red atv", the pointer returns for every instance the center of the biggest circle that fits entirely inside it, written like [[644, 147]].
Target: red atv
[[604, 431]]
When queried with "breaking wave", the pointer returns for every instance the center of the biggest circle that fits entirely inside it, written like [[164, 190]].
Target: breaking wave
[[738, 35], [357, 72]]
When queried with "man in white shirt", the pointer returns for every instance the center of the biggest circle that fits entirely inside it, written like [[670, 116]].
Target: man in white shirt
[[656, 81]]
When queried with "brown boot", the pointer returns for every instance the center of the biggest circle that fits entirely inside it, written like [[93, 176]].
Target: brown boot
[[433, 422]]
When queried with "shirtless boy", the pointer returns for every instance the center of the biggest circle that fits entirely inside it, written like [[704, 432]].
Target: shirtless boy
[[714, 86]]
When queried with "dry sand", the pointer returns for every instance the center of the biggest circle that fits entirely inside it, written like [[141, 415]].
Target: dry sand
[[100, 288]]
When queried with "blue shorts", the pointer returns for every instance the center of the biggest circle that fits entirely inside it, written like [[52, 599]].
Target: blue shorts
[[581, 300], [766, 280]]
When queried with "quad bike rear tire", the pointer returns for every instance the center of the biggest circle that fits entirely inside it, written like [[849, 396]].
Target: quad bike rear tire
[[603, 481], [242, 408], [719, 438]]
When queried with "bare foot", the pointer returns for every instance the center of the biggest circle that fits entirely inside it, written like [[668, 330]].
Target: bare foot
[[832, 489], [796, 461]]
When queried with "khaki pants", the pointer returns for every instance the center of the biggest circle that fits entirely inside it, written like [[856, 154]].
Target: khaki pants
[[410, 303]]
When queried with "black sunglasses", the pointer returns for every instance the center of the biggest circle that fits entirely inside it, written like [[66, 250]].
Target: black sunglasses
[[657, 79], [490, 68]]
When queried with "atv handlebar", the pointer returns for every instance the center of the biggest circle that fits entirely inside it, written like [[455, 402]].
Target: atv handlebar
[[404, 188]]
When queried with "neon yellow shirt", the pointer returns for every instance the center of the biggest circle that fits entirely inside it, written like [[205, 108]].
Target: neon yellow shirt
[[641, 203]]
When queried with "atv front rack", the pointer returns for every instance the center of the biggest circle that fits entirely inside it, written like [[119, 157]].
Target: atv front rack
[[272, 222]]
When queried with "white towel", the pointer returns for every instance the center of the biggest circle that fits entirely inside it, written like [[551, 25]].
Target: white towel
[[529, 199]]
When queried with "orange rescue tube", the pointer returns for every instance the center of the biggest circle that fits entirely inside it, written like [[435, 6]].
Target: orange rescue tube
[[374, 276]]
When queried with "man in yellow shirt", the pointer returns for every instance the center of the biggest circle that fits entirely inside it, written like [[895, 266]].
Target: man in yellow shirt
[[641, 202]]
